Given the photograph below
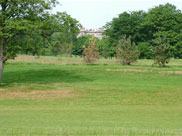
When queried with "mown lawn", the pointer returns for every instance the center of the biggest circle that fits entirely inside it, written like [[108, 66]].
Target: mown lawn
[[99, 99]]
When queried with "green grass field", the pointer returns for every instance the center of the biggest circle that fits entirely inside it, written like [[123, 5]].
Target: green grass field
[[103, 99]]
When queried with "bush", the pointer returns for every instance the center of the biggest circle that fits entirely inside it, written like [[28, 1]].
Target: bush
[[126, 51], [91, 53], [162, 53]]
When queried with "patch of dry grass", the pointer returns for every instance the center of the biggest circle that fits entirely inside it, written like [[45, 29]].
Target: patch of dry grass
[[78, 60], [57, 60], [50, 94], [145, 70], [45, 60]]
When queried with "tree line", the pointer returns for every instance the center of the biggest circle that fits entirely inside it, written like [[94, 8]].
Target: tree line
[[143, 28], [28, 27]]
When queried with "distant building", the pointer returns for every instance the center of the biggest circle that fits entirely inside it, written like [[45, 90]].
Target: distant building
[[96, 33]]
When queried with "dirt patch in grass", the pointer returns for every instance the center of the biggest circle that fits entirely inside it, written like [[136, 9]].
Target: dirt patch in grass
[[129, 70], [54, 94], [145, 70]]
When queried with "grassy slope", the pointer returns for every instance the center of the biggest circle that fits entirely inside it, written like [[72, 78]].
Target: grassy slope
[[101, 100]]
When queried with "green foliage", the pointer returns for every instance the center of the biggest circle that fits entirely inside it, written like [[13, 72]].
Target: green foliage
[[162, 53], [63, 35], [166, 19], [125, 24], [105, 48], [145, 49], [143, 26], [21, 18], [126, 51], [30, 25], [177, 49], [60, 29], [55, 48]]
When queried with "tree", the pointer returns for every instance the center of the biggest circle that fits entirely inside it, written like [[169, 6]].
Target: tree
[[17, 18], [127, 23], [91, 53], [166, 19], [162, 53], [126, 51]]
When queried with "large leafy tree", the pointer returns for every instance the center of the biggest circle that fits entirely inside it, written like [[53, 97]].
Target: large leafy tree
[[164, 18], [17, 18], [127, 23], [37, 41]]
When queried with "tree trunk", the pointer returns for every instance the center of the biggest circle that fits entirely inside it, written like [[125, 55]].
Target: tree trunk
[[2, 60], [2, 38], [1, 71]]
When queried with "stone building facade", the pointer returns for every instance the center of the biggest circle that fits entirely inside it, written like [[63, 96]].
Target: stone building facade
[[96, 33]]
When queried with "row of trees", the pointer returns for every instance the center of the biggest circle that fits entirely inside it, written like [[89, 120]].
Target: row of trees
[[156, 34], [127, 53], [59, 34], [143, 28]]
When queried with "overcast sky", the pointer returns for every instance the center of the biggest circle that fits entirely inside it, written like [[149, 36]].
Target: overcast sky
[[93, 14]]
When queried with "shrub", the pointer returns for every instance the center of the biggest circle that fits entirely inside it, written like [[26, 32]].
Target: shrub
[[126, 51], [91, 53], [162, 53]]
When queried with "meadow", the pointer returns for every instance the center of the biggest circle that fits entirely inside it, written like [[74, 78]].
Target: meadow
[[59, 96]]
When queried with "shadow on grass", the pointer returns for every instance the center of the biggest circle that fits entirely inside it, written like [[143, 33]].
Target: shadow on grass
[[44, 76]]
